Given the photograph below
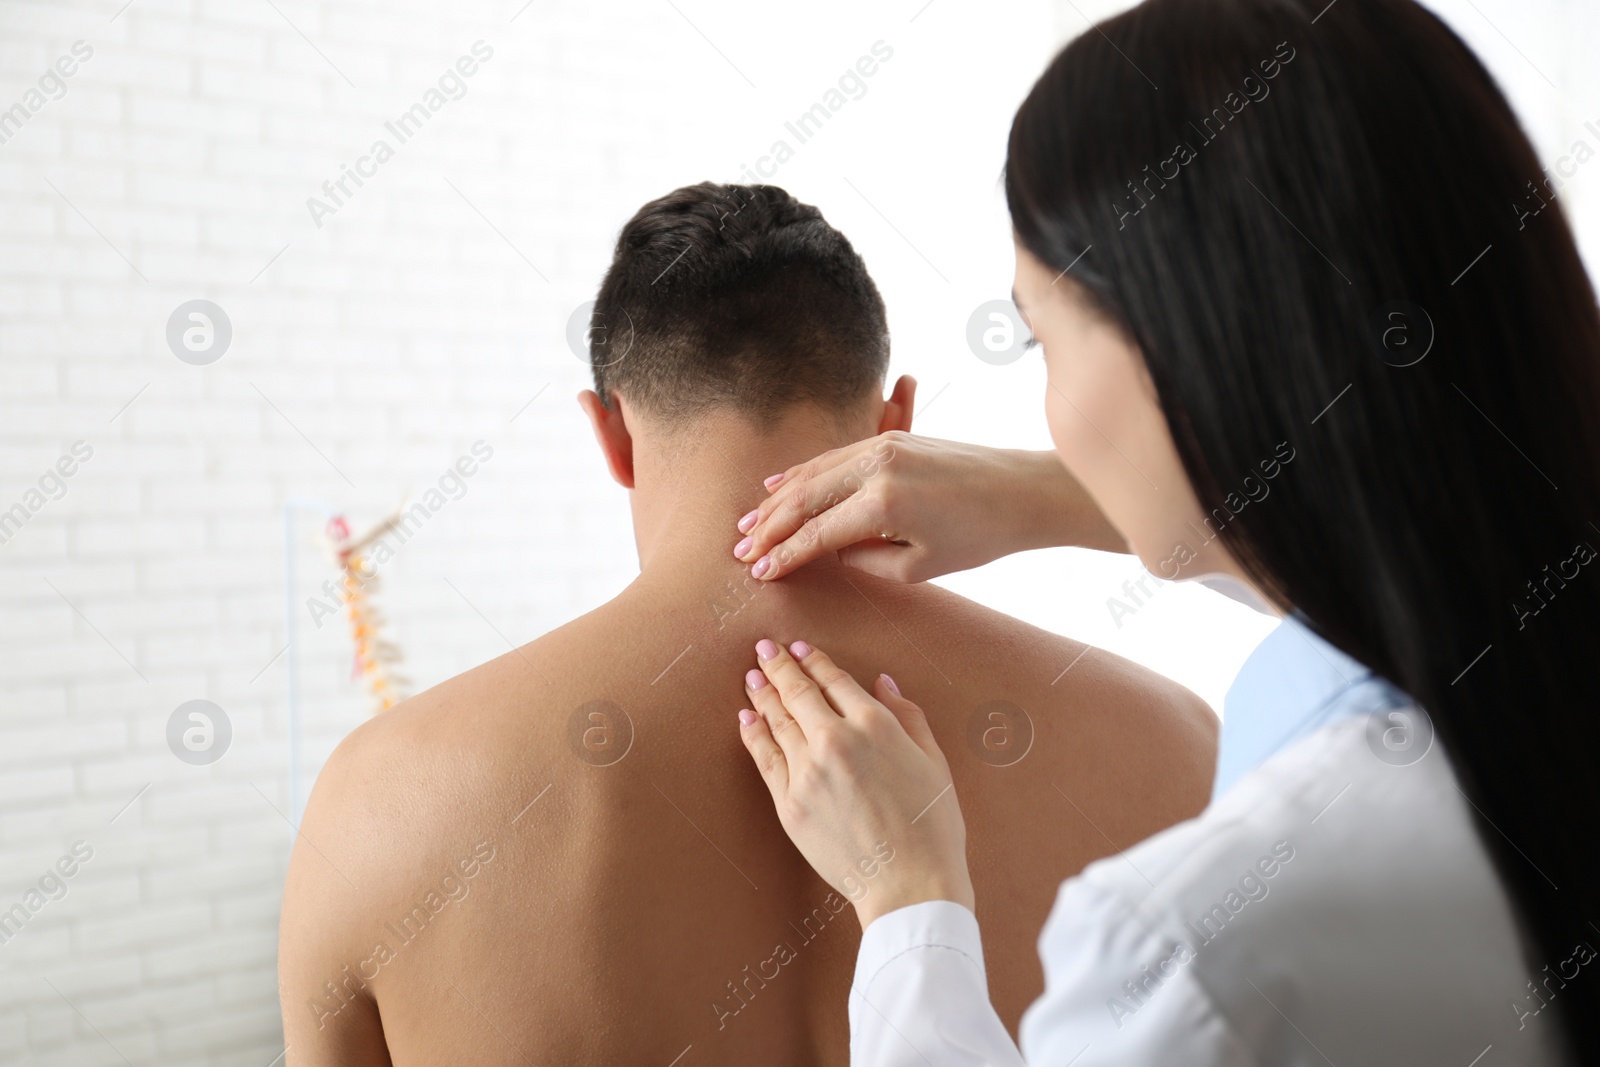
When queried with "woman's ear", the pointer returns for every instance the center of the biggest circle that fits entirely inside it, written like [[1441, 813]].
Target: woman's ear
[[611, 433], [897, 409]]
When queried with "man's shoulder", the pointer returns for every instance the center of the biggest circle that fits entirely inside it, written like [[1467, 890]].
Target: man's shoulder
[[1075, 670], [414, 809], [514, 687], [458, 750], [490, 713]]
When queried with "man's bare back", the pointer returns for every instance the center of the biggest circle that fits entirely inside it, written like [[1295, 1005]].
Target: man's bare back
[[566, 856]]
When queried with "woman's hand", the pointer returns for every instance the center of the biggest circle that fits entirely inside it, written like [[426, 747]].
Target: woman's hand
[[912, 508], [859, 783]]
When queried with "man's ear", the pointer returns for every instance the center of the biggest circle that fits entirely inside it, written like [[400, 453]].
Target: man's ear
[[897, 409], [611, 432]]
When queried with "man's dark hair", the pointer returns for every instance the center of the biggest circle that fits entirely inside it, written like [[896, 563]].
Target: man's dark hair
[[740, 295]]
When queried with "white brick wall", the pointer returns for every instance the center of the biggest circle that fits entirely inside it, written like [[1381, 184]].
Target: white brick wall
[[393, 337]]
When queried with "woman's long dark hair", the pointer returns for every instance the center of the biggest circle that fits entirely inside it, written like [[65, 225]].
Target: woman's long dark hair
[[1284, 203]]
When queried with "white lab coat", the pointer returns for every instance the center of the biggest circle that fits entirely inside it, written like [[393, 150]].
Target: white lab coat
[[1334, 906]]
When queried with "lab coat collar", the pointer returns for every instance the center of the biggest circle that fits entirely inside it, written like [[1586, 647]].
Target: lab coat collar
[[1293, 684]]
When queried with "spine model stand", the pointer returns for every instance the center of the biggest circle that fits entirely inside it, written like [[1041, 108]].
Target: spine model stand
[[376, 658]]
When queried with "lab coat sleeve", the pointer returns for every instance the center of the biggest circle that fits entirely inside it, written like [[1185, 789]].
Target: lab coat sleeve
[[920, 996]]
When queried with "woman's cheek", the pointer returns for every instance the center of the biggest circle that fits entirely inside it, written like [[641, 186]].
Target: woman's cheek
[[1103, 407], [1057, 412], [1077, 441]]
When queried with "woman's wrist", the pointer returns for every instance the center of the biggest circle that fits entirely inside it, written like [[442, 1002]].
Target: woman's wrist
[[884, 899]]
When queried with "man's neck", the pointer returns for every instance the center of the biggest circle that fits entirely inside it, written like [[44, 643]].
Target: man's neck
[[691, 489]]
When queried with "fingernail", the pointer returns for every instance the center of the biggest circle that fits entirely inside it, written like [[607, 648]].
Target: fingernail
[[754, 681], [765, 650], [772, 482], [746, 717], [743, 546], [747, 523], [761, 567], [799, 650], [889, 684]]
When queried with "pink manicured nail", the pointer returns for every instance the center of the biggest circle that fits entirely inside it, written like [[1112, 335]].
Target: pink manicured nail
[[743, 546], [746, 717], [749, 521], [765, 650], [889, 684], [755, 681], [775, 480], [761, 567], [799, 650]]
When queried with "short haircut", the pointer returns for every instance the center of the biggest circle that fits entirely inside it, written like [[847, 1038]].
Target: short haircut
[[736, 295]]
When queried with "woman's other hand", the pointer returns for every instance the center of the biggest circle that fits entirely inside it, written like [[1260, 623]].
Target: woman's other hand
[[859, 783], [911, 508]]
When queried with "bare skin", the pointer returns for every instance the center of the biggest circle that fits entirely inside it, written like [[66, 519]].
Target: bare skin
[[847, 766], [647, 907]]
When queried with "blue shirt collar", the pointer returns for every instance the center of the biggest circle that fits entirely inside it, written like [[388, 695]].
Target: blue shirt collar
[[1293, 684]]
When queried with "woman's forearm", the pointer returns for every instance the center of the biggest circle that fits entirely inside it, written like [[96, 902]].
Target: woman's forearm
[[1052, 508]]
